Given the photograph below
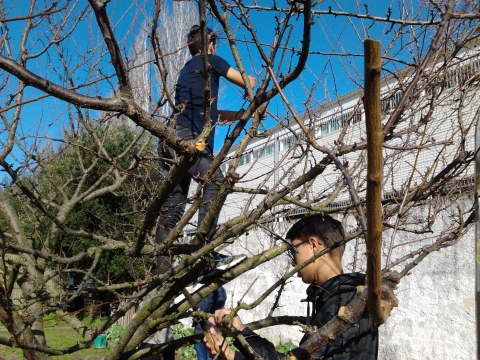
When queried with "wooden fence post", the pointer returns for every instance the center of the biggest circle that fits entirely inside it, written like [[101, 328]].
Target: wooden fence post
[[373, 118]]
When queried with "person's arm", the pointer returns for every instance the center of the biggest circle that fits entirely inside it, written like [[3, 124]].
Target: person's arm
[[262, 347], [235, 77], [228, 116]]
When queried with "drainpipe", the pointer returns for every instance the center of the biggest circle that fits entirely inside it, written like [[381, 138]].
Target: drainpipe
[[276, 150], [477, 234]]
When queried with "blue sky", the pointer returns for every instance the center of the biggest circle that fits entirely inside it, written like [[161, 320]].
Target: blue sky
[[332, 75]]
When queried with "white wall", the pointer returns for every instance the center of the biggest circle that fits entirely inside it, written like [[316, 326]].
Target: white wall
[[435, 318]]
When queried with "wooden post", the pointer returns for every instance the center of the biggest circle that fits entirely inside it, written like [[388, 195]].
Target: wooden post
[[373, 68]]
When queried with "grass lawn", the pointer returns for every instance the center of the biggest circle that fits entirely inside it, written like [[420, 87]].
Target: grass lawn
[[61, 336], [58, 337]]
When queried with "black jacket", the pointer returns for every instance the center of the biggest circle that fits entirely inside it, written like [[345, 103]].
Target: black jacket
[[359, 342]]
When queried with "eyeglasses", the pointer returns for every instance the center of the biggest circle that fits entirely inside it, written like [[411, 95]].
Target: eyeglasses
[[292, 249]]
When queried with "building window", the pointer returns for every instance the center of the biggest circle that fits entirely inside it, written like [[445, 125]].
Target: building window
[[389, 103], [357, 117], [287, 143], [455, 77], [325, 129], [335, 125], [269, 149], [337, 122], [266, 151]]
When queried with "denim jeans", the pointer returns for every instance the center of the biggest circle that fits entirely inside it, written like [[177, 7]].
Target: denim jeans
[[174, 208], [201, 350]]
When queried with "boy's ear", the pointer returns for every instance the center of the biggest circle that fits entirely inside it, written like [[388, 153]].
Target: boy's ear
[[317, 242]]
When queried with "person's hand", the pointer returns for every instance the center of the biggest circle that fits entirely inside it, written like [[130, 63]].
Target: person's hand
[[253, 82], [219, 346], [217, 320]]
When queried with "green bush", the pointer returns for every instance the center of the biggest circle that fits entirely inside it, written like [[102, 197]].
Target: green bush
[[285, 348], [115, 332], [186, 352]]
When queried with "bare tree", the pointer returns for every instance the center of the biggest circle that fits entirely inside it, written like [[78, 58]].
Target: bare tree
[[71, 72]]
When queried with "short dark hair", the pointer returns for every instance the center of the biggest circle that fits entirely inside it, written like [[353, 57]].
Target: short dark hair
[[195, 39], [322, 226]]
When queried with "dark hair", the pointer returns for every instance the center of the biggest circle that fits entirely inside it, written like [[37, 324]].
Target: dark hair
[[195, 39], [322, 226]]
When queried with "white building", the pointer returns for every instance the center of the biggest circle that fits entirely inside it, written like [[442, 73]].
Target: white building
[[435, 318]]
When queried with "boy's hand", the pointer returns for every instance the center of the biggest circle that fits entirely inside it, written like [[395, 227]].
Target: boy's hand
[[217, 320], [219, 347]]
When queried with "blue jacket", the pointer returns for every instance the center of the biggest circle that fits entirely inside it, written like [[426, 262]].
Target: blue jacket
[[214, 301], [190, 90]]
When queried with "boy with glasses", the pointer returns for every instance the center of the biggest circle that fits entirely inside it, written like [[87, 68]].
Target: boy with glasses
[[329, 289]]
